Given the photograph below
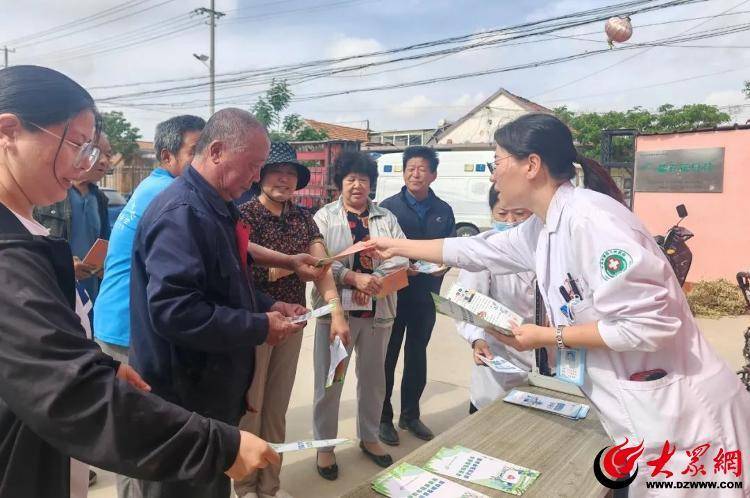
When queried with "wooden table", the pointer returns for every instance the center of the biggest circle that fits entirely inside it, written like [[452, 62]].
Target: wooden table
[[562, 450]]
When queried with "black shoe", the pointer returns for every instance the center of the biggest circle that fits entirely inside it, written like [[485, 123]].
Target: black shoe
[[92, 478], [380, 460], [388, 434], [328, 473], [416, 427]]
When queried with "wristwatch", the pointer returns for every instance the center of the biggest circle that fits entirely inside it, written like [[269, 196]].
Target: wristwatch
[[559, 337]]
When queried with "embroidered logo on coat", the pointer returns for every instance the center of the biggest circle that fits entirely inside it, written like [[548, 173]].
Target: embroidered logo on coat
[[614, 262]]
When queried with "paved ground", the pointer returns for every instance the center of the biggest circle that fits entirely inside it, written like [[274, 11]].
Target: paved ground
[[444, 403]]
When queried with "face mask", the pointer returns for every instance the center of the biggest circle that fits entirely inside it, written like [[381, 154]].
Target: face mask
[[502, 226]]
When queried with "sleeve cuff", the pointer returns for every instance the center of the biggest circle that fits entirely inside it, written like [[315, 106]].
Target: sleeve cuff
[[450, 252], [230, 442], [612, 337]]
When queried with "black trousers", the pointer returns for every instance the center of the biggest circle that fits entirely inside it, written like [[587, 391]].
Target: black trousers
[[414, 321]]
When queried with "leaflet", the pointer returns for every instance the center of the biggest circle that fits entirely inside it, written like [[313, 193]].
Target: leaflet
[[348, 303], [393, 282], [468, 305], [471, 466], [359, 246], [322, 311], [423, 266], [408, 481], [337, 368], [306, 445], [567, 409], [501, 365], [97, 254]]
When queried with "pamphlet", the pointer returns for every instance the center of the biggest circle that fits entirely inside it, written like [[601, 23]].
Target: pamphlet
[[393, 282], [306, 445], [468, 305], [423, 266], [409, 481], [567, 409], [348, 303], [471, 466], [322, 311], [97, 254], [359, 246], [337, 367], [501, 365]]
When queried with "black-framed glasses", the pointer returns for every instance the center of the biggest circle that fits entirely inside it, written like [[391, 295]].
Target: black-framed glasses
[[88, 153]]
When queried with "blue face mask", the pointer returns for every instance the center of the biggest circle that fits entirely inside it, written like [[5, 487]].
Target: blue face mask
[[502, 226]]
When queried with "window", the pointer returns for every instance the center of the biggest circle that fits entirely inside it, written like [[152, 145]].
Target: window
[[401, 140], [415, 139]]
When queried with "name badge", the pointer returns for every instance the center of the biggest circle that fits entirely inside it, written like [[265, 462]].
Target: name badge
[[571, 365]]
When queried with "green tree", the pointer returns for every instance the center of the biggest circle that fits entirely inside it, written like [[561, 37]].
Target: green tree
[[587, 127], [268, 109], [299, 130], [122, 135], [747, 89]]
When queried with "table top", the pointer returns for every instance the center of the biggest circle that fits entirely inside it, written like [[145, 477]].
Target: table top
[[562, 450]]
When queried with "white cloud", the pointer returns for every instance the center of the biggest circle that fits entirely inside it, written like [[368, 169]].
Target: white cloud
[[413, 106], [344, 46]]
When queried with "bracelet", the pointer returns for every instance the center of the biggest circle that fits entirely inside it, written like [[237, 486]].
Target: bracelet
[[559, 337]]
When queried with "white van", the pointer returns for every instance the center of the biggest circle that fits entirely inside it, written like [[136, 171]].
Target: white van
[[463, 181]]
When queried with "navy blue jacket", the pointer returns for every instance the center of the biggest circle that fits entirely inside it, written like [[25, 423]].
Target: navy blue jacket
[[195, 318], [438, 223]]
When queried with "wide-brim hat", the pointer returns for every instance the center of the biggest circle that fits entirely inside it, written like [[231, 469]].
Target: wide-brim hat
[[284, 153]]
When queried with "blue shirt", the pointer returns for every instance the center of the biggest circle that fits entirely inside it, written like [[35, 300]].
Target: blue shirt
[[419, 207], [112, 307], [195, 317], [85, 229]]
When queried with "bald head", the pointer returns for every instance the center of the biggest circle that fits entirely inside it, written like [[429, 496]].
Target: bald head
[[231, 152], [233, 127]]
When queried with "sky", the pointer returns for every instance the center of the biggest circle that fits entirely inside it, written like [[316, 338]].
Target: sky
[[261, 33]]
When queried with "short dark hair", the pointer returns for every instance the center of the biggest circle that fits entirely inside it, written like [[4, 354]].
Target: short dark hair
[[354, 162], [494, 197], [43, 96], [426, 153], [229, 125], [170, 133]]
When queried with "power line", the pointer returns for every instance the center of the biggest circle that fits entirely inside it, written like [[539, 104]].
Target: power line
[[489, 38], [577, 80], [102, 23], [76, 22]]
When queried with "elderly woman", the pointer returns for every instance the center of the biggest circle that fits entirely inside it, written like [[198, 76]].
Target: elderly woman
[[278, 224], [351, 219], [516, 291]]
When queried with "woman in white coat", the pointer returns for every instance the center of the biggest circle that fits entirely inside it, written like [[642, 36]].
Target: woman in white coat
[[515, 291], [624, 307]]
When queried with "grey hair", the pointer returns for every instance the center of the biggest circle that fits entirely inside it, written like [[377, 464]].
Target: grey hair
[[170, 133], [231, 126]]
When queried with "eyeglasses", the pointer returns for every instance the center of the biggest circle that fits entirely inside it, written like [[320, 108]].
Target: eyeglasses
[[88, 153], [494, 164]]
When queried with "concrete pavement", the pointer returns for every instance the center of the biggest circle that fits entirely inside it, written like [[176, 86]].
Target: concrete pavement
[[445, 402]]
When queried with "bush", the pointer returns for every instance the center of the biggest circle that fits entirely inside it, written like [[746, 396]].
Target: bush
[[716, 298]]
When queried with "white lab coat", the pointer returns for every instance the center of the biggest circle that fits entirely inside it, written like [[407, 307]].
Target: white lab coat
[[643, 316], [517, 292]]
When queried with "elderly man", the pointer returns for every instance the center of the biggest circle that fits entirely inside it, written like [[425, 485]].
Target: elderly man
[[195, 317], [174, 143]]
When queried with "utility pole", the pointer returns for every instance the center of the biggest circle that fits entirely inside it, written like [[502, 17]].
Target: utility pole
[[6, 50], [213, 15]]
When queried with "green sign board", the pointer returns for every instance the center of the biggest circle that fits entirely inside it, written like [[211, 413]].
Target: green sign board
[[680, 170]]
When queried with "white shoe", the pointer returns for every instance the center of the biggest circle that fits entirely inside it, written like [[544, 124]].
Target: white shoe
[[279, 494]]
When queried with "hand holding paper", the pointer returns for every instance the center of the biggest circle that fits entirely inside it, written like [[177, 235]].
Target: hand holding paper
[[338, 365], [354, 249], [306, 445], [393, 282]]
